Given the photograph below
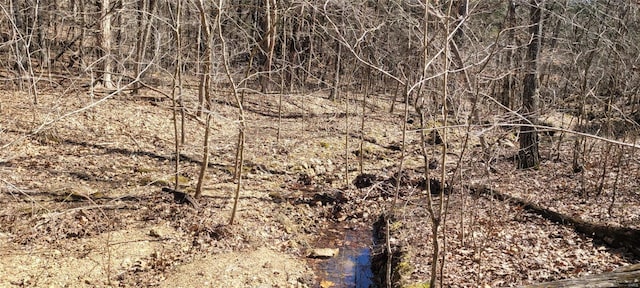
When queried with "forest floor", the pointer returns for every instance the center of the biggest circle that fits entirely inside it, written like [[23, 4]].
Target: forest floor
[[83, 203]]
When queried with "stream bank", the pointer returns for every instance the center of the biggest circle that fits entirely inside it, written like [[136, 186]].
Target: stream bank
[[388, 261], [351, 266], [363, 260]]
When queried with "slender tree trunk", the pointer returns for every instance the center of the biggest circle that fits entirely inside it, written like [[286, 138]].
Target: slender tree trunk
[[462, 7], [529, 156], [204, 91], [346, 139], [144, 22], [205, 157], [312, 34], [335, 91], [506, 97], [269, 40], [395, 95], [18, 37], [283, 75], [176, 93], [239, 98], [365, 95], [105, 44], [205, 75], [83, 29]]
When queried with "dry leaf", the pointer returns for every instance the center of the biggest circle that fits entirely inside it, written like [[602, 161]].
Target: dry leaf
[[326, 284]]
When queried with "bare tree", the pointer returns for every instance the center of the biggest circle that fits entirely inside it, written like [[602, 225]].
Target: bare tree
[[146, 11], [508, 83], [529, 156], [204, 90], [239, 159], [176, 91], [105, 44]]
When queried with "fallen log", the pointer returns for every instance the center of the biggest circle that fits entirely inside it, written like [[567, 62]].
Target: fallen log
[[613, 236], [628, 276]]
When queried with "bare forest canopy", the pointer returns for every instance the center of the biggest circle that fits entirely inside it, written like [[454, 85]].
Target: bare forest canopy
[[588, 63]]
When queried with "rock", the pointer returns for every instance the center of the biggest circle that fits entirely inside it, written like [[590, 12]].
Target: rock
[[435, 186], [323, 253], [434, 138], [304, 179], [154, 233], [320, 170], [182, 197], [364, 180], [276, 197], [330, 197], [433, 164]]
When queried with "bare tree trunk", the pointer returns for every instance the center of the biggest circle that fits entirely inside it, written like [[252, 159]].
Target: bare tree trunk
[[242, 124], [283, 75], [365, 95], [204, 91], [346, 139], [105, 44], [144, 22], [312, 34], [462, 7], [395, 95], [205, 76], [335, 91], [175, 93], [22, 36], [269, 42], [529, 156], [506, 97], [83, 31], [37, 30], [626, 276], [205, 157]]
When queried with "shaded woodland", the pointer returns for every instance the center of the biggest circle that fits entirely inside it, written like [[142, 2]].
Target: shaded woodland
[[536, 99], [583, 54]]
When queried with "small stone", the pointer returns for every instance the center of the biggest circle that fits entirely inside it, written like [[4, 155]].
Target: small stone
[[323, 252], [154, 233]]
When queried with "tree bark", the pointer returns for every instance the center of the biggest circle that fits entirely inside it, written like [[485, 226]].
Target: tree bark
[[144, 22], [204, 91], [269, 40], [335, 91], [529, 156], [506, 98], [462, 7], [105, 44], [205, 76], [628, 276]]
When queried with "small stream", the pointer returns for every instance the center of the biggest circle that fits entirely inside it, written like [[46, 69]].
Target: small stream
[[352, 266]]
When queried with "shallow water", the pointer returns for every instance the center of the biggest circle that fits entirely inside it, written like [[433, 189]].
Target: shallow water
[[352, 266]]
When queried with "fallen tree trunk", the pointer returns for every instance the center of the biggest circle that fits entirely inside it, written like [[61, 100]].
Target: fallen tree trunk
[[628, 276], [613, 236]]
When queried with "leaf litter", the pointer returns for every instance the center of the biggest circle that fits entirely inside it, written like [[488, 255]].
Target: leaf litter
[[85, 206]]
